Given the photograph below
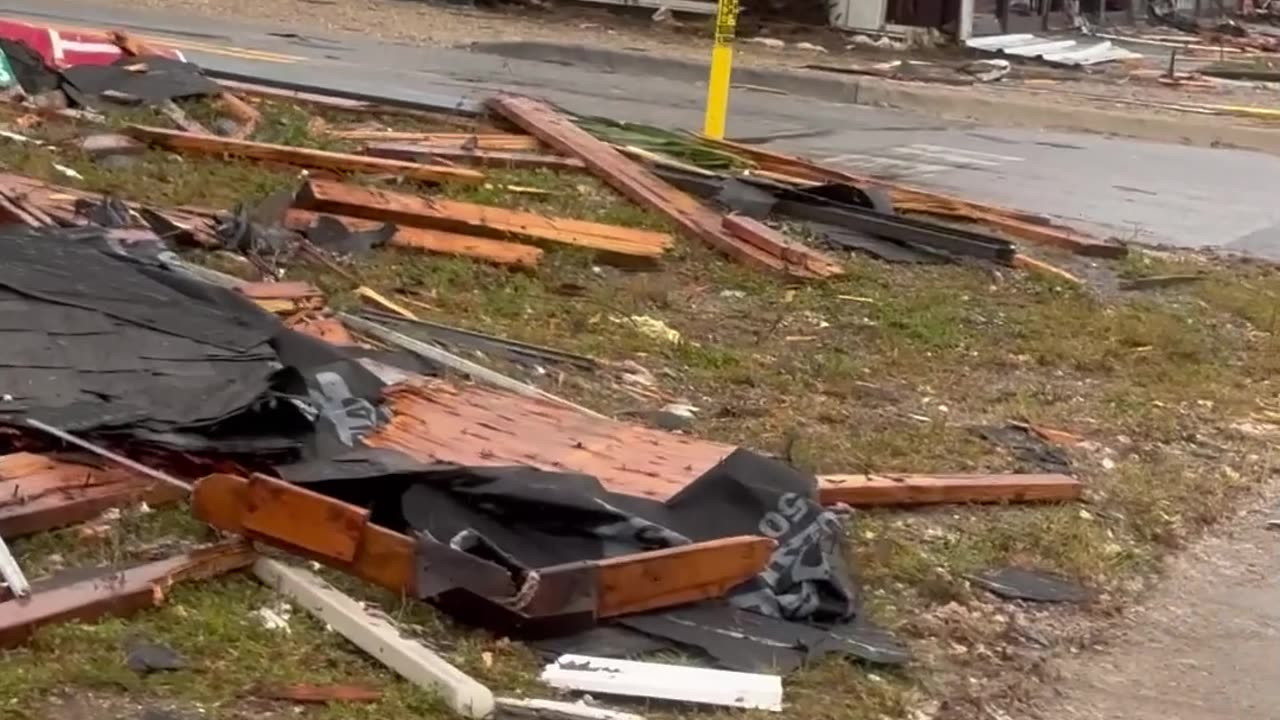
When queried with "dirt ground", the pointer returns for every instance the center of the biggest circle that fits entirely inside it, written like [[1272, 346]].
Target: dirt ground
[[1213, 625]]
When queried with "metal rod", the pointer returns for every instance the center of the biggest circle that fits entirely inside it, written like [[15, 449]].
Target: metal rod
[[103, 452], [12, 573], [444, 357]]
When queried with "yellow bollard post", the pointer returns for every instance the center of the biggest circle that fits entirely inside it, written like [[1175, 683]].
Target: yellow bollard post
[[721, 66]]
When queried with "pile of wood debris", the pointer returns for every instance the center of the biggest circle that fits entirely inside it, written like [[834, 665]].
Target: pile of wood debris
[[407, 423]]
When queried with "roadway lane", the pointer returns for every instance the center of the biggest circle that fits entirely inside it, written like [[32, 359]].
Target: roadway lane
[[1136, 190]]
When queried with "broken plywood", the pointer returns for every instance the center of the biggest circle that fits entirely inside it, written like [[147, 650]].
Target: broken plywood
[[478, 426], [42, 492], [641, 186], [443, 242], [434, 421], [455, 216], [301, 157]]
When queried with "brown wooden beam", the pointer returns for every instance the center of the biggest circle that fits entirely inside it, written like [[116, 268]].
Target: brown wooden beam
[[455, 216], [498, 252], [639, 184], [118, 594], [411, 152], [626, 584], [509, 142], [301, 157], [872, 490]]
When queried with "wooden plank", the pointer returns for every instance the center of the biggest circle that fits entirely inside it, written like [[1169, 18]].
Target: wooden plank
[[872, 490], [774, 242], [280, 290], [39, 492], [637, 182], [302, 157], [304, 519], [411, 152], [117, 594], [455, 216], [480, 141], [1031, 264], [498, 252], [675, 576], [382, 557], [631, 583], [914, 199]]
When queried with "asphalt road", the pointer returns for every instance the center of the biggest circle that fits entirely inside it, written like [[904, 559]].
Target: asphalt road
[[1135, 190]]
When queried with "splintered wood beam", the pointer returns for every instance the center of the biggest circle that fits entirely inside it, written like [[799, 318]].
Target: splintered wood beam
[[627, 584], [247, 115], [40, 492], [907, 198], [455, 216], [675, 576], [480, 141], [775, 243], [872, 490], [118, 593], [301, 157], [412, 152], [498, 252], [638, 184]]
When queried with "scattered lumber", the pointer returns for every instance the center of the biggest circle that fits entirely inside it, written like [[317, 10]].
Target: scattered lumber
[[435, 421], [480, 141], [906, 197], [642, 186], [443, 242], [302, 157], [43, 492], [341, 536], [873, 490], [456, 216], [117, 593], [411, 152], [769, 240]]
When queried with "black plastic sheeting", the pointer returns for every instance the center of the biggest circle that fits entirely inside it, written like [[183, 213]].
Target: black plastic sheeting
[[97, 337], [803, 605], [1015, 583], [162, 80]]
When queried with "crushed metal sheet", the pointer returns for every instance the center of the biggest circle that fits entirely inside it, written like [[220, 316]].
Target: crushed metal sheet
[[1056, 51]]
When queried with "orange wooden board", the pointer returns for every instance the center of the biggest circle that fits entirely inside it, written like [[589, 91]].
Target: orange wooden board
[[39, 492]]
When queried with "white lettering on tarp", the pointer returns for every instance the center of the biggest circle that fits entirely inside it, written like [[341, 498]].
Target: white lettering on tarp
[[352, 417], [808, 536]]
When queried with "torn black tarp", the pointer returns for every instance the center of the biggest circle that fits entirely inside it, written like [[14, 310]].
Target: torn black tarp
[[96, 337], [512, 521], [147, 80]]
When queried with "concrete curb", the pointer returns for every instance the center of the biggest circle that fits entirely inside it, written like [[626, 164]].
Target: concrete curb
[[980, 104]]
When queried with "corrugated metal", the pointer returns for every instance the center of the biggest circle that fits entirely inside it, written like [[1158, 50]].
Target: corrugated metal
[[478, 426], [1057, 51]]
